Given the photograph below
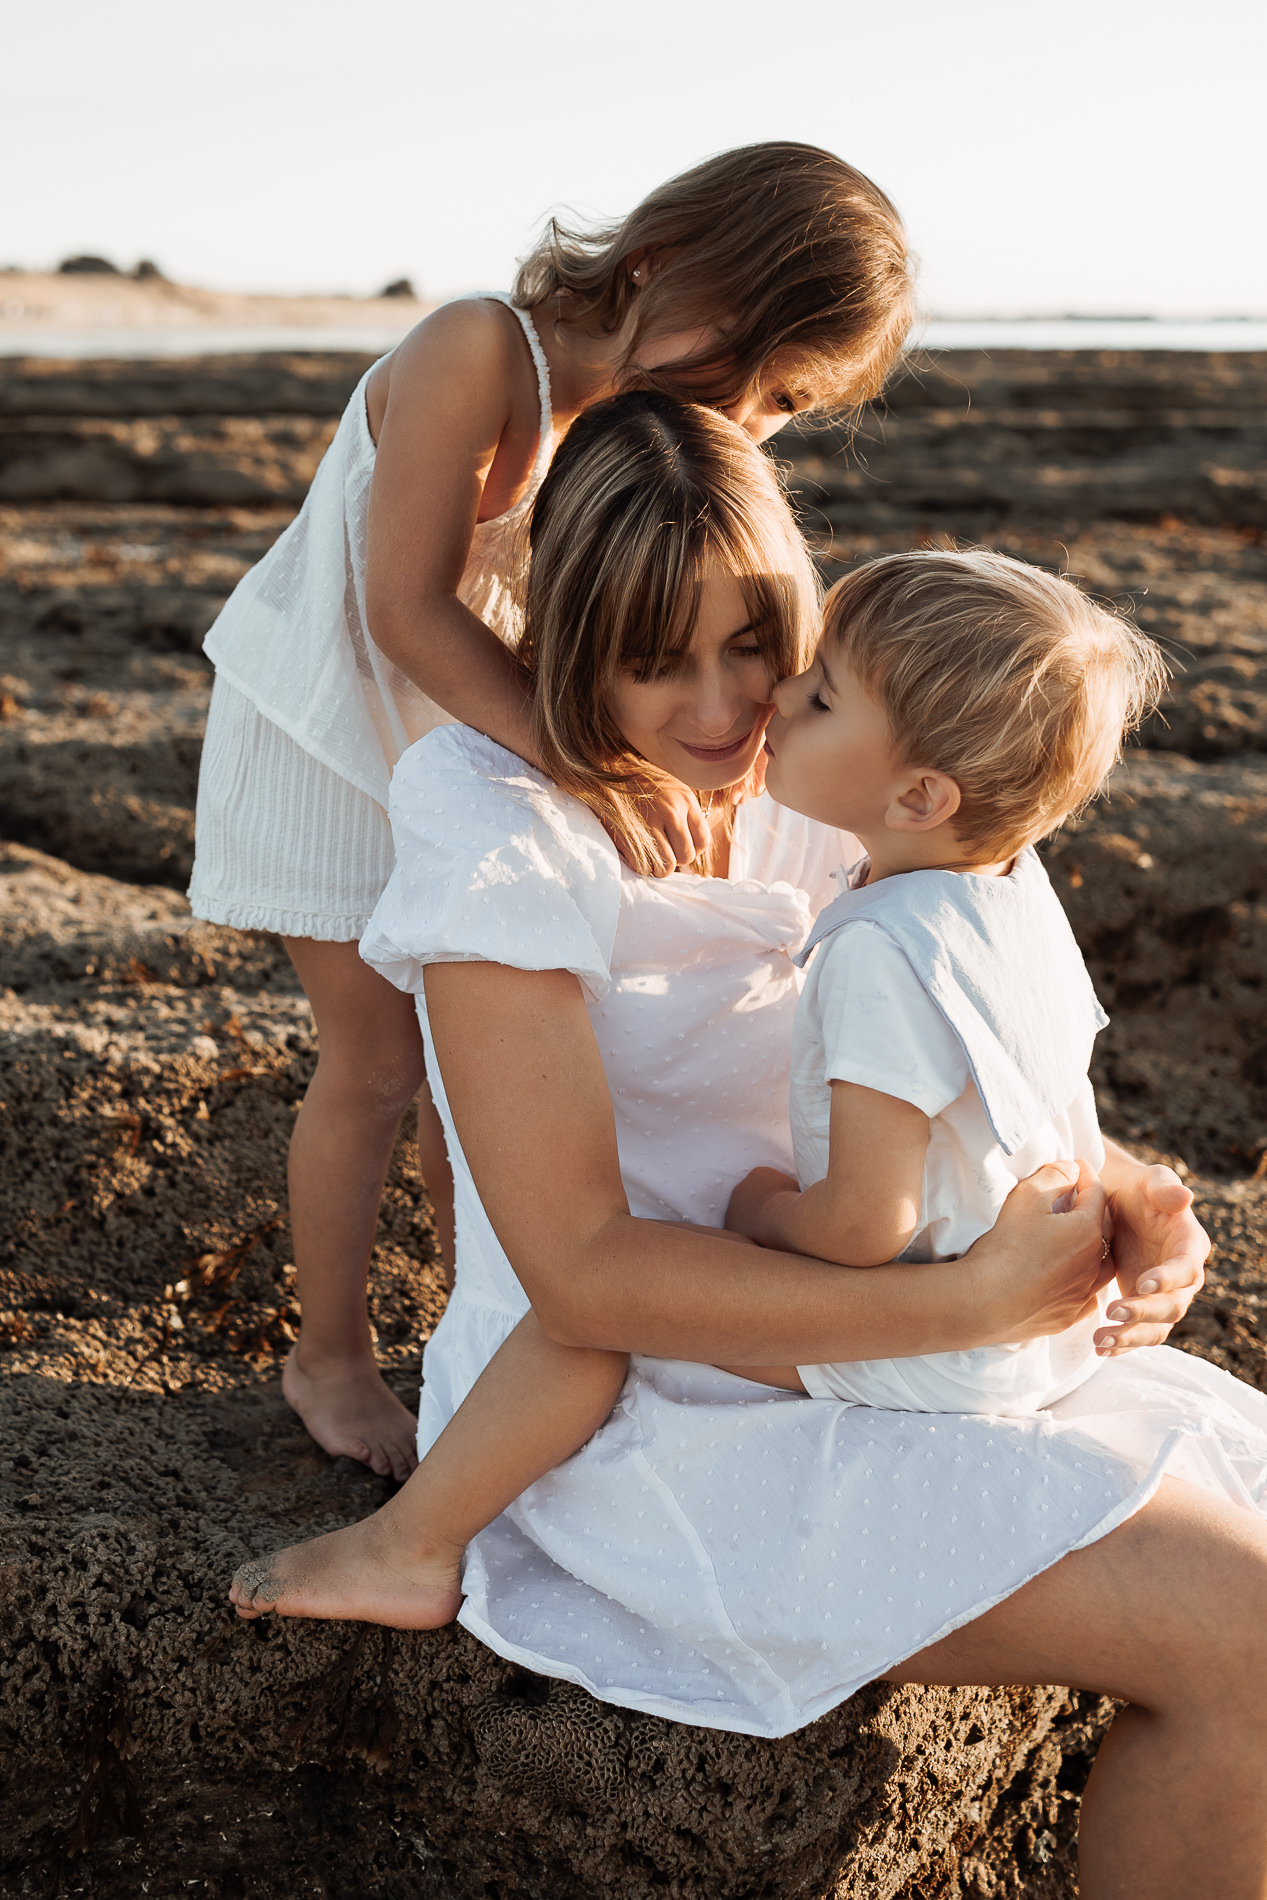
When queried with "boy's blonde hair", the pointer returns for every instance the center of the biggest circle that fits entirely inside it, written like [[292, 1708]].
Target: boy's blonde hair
[[1006, 678], [785, 249], [644, 496]]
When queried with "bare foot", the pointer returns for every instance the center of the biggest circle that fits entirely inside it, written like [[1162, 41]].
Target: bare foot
[[366, 1573], [352, 1413]]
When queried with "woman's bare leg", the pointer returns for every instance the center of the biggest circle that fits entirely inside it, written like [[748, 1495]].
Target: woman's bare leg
[[534, 1404], [369, 1069], [1169, 1612]]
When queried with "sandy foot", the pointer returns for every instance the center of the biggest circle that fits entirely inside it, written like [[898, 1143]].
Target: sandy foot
[[352, 1413], [365, 1573]]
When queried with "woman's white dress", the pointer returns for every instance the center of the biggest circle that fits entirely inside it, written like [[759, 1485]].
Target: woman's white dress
[[721, 1553]]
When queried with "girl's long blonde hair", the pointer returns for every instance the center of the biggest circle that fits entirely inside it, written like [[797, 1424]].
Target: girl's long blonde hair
[[782, 248], [646, 495]]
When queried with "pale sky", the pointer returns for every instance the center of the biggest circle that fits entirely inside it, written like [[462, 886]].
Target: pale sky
[[1102, 156]]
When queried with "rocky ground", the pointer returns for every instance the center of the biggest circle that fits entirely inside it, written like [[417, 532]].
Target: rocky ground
[[150, 1068]]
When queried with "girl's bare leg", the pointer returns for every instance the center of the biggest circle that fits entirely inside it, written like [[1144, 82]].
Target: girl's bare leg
[[1169, 1612], [369, 1069], [534, 1404], [433, 1164]]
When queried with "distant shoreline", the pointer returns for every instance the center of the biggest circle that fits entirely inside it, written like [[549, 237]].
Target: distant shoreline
[[80, 316], [82, 342]]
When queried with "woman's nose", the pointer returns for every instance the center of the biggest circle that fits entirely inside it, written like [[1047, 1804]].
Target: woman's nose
[[786, 694], [720, 704]]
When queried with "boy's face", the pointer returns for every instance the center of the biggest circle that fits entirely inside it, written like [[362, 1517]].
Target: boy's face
[[829, 750]]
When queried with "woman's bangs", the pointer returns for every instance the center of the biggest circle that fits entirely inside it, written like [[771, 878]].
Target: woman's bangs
[[765, 552], [661, 611]]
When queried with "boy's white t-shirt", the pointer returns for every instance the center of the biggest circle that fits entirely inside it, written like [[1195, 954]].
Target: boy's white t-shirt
[[865, 1017]]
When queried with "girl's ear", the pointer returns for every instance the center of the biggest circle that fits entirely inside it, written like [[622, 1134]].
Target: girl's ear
[[640, 265], [922, 802]]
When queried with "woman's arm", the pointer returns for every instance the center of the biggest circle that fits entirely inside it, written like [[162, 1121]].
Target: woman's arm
[[1159, 1247], [530, 1100]]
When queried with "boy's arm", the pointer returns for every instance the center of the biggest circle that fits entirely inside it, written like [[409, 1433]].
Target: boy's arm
[[866, 1210]]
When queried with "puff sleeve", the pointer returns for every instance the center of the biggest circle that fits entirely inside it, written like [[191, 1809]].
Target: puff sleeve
[[493, 865]]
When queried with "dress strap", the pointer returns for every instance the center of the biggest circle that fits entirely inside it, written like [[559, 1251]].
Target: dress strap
[[545, 438]]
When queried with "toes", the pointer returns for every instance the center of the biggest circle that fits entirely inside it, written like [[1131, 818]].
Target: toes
[[358, 1448], [242, 1599], [255, 1588], [403, 1463]]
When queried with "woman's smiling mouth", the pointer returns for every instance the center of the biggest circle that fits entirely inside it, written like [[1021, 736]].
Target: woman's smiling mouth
[[717, 754]]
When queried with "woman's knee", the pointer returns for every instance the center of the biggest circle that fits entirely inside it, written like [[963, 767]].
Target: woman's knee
[[1207, 1560]]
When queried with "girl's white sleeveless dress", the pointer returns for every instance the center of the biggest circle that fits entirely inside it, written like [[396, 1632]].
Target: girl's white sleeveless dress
[[308, 717], [722, 1553]]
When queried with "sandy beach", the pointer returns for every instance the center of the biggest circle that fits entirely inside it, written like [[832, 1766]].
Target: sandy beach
[[151, 1070]]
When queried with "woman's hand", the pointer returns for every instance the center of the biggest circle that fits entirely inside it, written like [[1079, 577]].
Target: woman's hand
[[1041, 1265], [1159, 1248]]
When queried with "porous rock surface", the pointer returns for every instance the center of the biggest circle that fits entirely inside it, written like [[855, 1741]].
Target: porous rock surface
[[150, 1067]]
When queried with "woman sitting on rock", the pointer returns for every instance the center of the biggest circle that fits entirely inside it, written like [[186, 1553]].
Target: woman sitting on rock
[[614, 1058]]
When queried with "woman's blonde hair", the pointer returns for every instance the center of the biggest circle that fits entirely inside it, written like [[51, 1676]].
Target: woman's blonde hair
[[645, 496], [1009, 679], [782, 248]]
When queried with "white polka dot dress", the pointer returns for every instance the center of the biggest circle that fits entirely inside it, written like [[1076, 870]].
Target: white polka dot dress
[[720, 1553]]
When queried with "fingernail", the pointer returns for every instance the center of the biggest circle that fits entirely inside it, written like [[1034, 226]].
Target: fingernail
[[1149, 1286], [1118, 1313]]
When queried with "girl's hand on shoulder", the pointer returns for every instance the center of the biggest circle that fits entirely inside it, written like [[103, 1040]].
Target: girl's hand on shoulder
[[679, 829], [748, 1212], [1160, 1249]]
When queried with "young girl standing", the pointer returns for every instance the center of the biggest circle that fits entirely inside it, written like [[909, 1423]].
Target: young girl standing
[[766, 281]]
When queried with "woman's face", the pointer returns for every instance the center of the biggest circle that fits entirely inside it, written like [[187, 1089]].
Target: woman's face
[[705, 723]]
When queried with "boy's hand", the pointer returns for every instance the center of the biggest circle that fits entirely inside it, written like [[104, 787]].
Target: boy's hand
[[748, 1212]]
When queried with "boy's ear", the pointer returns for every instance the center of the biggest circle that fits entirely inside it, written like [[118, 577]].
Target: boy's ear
[[922, 802]]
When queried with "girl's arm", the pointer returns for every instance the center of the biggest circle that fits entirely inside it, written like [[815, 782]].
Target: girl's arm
[[458, 389], [462, 386], [866, 1209], [530, 1099]]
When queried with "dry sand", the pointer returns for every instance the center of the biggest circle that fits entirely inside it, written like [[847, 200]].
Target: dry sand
[[151, 1067], [52, 300]]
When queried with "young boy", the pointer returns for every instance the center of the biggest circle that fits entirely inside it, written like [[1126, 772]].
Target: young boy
[[960, 706]]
